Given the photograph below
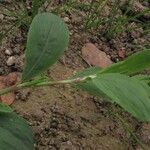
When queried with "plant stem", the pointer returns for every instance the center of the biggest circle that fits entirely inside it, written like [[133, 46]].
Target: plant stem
[[38, 83]]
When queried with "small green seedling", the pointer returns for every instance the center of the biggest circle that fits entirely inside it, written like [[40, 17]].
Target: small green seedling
[[48, 37]]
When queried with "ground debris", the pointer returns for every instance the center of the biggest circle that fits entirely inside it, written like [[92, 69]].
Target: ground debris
[[94, 56]]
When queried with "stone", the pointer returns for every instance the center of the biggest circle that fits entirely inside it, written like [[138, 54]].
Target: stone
[[8, 52], [66, 19], [94, 56], [11, 61]]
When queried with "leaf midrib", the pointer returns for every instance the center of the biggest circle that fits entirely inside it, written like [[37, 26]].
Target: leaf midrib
[[44, 50]]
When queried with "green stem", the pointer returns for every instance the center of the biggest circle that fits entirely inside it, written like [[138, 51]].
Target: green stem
[[37, 83]]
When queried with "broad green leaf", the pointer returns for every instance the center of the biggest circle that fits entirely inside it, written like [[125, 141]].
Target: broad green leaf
[[5, 108], [47, 39], [87, 72], [88, 85], [142, 78], [133, 64], [15, 134], [128, 93]]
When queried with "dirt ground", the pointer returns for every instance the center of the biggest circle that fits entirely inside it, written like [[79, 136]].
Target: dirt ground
[[63, 118]]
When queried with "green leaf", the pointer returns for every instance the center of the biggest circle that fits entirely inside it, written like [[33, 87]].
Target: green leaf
[[123, 90], [5, 108], [15, 134], [88, 85], [142, 78], [47, 39], [87, 72], [133, 64]]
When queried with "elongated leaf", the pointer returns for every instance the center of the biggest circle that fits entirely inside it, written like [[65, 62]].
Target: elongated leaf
[[123, 90], [5, 109], [133, 64], [47, 39], [15, 134], [87, 72], [142, 78], [88, 85]]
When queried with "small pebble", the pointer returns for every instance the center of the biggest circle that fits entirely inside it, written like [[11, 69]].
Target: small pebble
[[11, 61], [8, 52], [66, 19]]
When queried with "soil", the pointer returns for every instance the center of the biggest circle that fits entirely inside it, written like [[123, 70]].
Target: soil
[[64, 118]]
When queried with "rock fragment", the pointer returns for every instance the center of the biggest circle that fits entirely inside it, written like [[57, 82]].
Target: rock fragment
[[94, 56]]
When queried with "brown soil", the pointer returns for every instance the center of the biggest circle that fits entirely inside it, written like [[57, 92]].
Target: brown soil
[[63, 118]]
